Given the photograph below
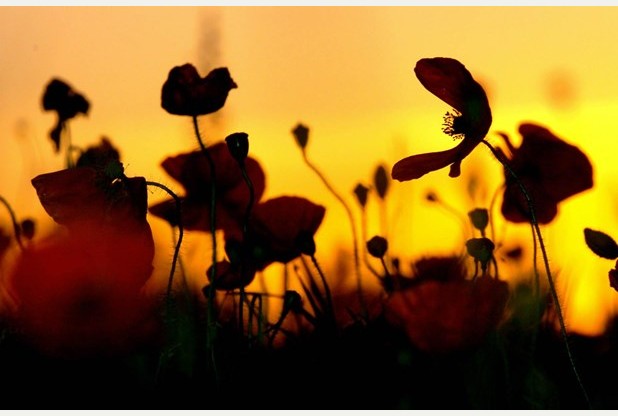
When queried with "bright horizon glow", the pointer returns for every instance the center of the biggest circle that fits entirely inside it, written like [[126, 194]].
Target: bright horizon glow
[[346, 72]]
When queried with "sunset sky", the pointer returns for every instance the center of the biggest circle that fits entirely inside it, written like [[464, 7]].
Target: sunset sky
[[347, 73]]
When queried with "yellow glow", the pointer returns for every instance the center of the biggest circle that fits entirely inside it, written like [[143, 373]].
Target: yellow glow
[[347, 73]]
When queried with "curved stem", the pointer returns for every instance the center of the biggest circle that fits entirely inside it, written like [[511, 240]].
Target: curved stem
[[180, 235], [329, 297], [16, 228], [535, 226], [353, 227]]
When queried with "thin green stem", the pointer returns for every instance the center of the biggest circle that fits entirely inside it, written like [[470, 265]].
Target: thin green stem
[[552, 287], [16, 228], [353, 228]]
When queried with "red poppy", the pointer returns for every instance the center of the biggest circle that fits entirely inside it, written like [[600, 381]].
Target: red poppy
[[280, 230], [67, 103], [80, 292], [185, 93], [281, 223], [450, 81], [444, 312], [86, 195], [232, 194], [550, 169]]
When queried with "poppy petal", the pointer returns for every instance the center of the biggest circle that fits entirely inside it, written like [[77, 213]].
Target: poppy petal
[[415, 166]]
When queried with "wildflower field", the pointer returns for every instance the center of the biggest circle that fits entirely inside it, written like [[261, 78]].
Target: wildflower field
[[481, 328]]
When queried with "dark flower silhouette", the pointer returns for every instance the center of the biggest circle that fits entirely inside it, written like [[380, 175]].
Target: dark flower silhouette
[[86, 195], [450, 81], [81, 291], [442, 311], [185, 93], [278, 232], [193, 172], [67, 103], [550, 169]]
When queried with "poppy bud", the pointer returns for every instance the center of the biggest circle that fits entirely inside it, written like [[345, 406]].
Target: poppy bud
[[380, 181], [292, 301], [431, 196], [306, 243], [301, 134], [114, 169], [601, 244], [361, 192], [613, 277], [27, 228], [377, 246], [481, 249], [479, 218], [238, 145]]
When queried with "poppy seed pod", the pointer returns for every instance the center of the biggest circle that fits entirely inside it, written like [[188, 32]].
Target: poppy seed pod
[[238, 145]]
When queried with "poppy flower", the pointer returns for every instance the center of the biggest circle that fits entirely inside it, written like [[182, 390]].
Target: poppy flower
[[450, 81], [550, 169], [443, 311], [185, 93], [232, 195], [278, 231], [86, 195], [80, 292], [66, 102]]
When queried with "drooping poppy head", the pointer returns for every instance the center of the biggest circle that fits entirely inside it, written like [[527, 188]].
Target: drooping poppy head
[[450, 81], [185, 93], [66, 102], [232, 194], [551, 171]]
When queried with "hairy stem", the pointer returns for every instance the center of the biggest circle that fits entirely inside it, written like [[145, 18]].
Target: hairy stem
[[552, 287]]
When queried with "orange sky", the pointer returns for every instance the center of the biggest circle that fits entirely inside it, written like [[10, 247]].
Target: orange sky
[[347, 73]]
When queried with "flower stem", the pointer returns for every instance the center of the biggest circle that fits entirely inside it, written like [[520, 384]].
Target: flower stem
[[16, 227], [245, 232], [180, 235], [353, 227], [329, 297], [536, 228], [213, 227]]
